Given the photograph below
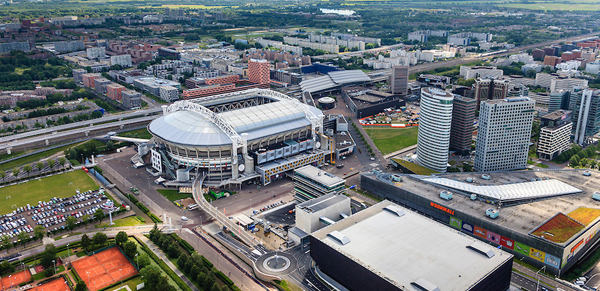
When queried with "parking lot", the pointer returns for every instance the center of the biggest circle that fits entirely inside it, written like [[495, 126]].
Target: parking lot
[[52, 215]]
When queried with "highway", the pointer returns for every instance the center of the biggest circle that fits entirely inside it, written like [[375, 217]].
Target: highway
[[73, 134], [104, 119]]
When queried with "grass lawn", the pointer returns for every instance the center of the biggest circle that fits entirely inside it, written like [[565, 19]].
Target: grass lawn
[[132, 283], [558, 229], [389, 140], [61, 185], [412, 167], [173, 195], [542, 165], [41, 275], [530, 162], [138, 133], [127, 221]]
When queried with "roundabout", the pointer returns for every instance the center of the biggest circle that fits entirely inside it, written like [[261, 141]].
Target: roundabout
[[276, 263]]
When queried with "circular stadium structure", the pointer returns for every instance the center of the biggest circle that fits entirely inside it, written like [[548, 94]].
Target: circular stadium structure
[[235, 137]]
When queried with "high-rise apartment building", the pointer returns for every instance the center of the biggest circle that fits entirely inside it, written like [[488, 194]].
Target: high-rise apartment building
[[555, 134], [434, 128], [169, 93], [399, 80], [490, 89], [461, 131], [559, 100], [258, 71], [586, 114], [504, 134]]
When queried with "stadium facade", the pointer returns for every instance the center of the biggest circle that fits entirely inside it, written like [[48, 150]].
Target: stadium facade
[[236, 137], [544, 218]]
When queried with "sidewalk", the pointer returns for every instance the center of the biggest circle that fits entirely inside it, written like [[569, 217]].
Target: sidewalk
[[156, 250], [406, 149]]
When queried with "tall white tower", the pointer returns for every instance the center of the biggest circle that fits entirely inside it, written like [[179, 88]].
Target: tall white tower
[[434, 128]]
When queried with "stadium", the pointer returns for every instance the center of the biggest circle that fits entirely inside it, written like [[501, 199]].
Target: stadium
[[232, 138], [544, 218]]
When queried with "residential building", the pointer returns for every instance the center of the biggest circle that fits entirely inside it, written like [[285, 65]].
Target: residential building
[[504, 134], [169, 93], [461, 131], [399, 80], [114, 91], [96, 52], [7, 47], [89, 80], [311, 182], [434, 128], [68, 46], [555, 134], [78, 75], [121, 60], [585, 105], [131, 99], [100, 85], [552, 61], [259, 72], [490, 89], [593, 68]]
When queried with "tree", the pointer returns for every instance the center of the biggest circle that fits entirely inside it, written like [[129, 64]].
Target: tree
[[48, 272], [39, 232], [173, 250], [81, 286], [195, 271], [62, 161], [48, 256], [85, 241], [6, 243], [121, 238], [100, 238], [51, 163], [23, 238], [16, 172], [39, 166], [71, 223], [6, 268], [183, 258], [150, 275], [215, 287], [201, 278], [143, 260], [27, 169], [99, 214], [209, 281], [2, 175], [85, 219], [130, 249]]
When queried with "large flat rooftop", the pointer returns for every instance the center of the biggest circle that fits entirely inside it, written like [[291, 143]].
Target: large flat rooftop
[[319, 176], [521, 218], [404, 247], [320, 203]]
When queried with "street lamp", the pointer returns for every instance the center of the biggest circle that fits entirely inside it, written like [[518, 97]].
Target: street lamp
[[68, 252], [538, 277], [54, 262], [138, 261], [121, 276]]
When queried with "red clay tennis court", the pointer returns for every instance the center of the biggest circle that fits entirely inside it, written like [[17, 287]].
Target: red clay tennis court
[[57, 284], [104, 269], [15, 279]]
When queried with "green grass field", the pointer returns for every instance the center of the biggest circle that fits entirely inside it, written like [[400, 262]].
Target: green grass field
[[62, 185], [173, 195], [127, 221], [33, 158], [138, 133], [390, 140]]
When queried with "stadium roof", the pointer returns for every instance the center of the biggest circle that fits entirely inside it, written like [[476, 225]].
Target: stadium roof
[[191, 128], [509, 192], [411, 249], [334, 79]]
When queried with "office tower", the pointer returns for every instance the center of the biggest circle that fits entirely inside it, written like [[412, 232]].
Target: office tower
[[461, 132], [555, 134], [434, 128], [559, 100], [504, 133], [586, 114], [399, 80], [258, 71], [490, 89]]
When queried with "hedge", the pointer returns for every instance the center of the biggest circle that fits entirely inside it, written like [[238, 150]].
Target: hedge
[[154, 218], [224, 278], [132, 198], [184, 244], [206, 262], [142, 207]]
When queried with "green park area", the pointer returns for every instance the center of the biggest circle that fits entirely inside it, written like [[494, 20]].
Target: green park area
[[173, 195], [61, 185], [389, 139]]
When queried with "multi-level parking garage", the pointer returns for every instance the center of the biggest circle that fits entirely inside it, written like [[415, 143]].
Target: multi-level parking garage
[[235, 137]]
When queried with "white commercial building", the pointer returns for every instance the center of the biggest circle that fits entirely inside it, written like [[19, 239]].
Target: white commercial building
[[122, 60], [504, 134], [521, 58], [480, 71], [566, 84], [592, 68], [96, 52], [434, 128], [570, 65], [555, 134]]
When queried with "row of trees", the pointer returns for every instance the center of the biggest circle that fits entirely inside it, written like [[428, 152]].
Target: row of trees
[[30, 167]]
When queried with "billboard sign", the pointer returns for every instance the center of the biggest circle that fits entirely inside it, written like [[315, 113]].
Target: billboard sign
[[455, 222], [507, 243], [522, 248], [538, 255], [480, 232], [493, 237], [467, 227], [552, 260]]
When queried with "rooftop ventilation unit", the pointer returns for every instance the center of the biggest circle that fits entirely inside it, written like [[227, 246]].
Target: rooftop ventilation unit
[[339, 237], [424, 285], [482, 250], [395, 210]]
